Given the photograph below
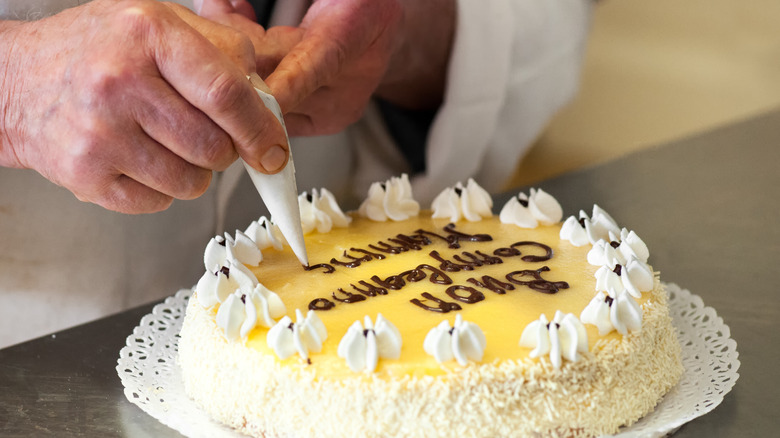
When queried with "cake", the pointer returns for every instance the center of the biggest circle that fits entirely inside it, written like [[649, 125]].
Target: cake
[[445, 322]]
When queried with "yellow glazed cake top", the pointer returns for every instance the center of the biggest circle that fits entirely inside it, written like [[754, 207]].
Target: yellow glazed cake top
[[502, 317], [416, 273]]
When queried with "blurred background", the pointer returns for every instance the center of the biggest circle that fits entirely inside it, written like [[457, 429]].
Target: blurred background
[[659, 70]]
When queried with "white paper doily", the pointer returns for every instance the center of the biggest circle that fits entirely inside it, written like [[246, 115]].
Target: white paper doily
[[152, 379]]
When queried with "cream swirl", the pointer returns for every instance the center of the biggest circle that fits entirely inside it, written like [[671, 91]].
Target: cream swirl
[[621, 248], [633, 276], [594, 228], [241, 248], [604, 253], [464, 342], [363, 346], [563, 338], [631, 244], [265, 234], [615, 310], [239, 313], [320, 211], [471, 202], [390, 200], [214, 287], [303, 336], [574, 231], [530, 211], [601, 223]]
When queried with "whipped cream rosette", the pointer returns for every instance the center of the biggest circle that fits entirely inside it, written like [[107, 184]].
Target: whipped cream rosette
[[470, 202], [391, 200], [364, 344], [529, 211]]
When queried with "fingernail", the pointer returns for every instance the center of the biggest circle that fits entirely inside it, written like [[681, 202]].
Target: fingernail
[[274, 158]]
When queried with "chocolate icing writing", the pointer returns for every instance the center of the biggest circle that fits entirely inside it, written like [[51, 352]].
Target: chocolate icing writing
[[353, 264], [393, 282], [321, 304], [415, 242], [440, 307], [387, 248], [492, 284], [468, 261], [476, 261], [396, 282], [368, 253], [507, 252], [474, 296], [447, 265], [532, 258], [367, 257], [399, 244], [538, 283], [404, 243], [413, 275], [371, 290], [451, 240], [327, 269], [350, 297], [450, 228], [463, 261], [437, 276]]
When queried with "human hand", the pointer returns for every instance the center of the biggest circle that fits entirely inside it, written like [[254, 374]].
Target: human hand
[[131, 104], [324, 72]]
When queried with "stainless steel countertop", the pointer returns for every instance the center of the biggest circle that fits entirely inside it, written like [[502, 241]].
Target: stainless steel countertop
[[707, 207]]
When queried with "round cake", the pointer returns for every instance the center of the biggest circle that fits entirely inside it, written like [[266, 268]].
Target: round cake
[[425, 323]]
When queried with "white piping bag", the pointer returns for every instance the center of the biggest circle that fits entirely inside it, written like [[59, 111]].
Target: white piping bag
[[279, 191]]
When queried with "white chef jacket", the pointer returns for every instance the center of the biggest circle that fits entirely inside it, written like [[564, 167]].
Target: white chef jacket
[[63, 262]]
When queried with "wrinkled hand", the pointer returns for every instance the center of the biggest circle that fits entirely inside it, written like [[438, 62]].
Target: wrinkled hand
[[323, 72], [131, 104]]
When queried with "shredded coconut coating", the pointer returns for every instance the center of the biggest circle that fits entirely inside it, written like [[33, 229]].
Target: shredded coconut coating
[[615, 384]]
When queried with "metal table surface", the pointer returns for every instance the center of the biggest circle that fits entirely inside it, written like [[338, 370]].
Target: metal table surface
[[707, 206]]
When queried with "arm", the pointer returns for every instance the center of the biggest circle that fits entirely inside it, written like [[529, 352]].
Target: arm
[[8, 41], [131, 104]]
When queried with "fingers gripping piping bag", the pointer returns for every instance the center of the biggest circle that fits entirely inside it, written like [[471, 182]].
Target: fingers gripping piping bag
[[279, 191]]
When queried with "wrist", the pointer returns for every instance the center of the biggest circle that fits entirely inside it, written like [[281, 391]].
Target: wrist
[[9, 111]]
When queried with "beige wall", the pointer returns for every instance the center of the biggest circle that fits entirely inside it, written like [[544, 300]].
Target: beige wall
[[657, 70]]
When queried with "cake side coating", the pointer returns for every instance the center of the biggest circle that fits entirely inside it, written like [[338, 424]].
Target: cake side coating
[[615, 384]]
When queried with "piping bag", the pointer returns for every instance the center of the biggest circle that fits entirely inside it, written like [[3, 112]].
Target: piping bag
[[279, 191]]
